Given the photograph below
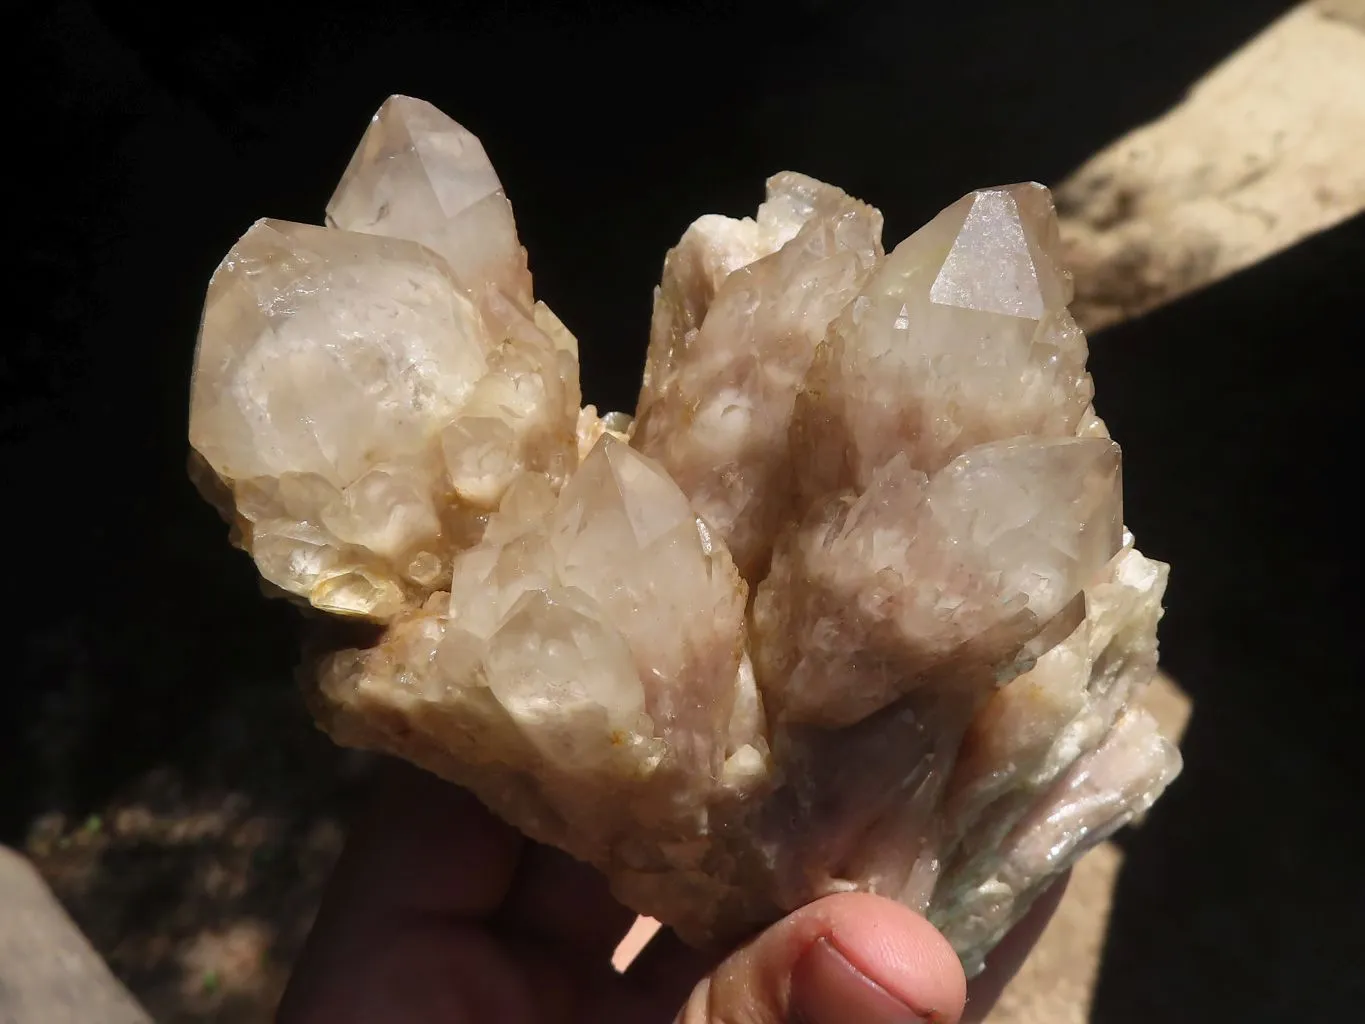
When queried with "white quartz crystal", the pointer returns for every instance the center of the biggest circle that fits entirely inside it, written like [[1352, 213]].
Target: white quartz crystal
[[847, 604], [417, 174], [367, 399]]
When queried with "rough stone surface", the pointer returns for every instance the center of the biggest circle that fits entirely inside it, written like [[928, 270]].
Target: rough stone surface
[[848, 605], [717, 413], [49, 974], [1265, 150]]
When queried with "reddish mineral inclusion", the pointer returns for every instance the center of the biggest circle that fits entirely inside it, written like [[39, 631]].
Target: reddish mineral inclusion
[[848, 604]]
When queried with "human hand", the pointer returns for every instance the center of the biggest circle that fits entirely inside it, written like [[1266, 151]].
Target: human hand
[[439, 912]]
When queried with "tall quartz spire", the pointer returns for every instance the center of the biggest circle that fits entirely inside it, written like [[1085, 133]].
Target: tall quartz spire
[[366, 392], [961, 337], [418, 174], [727, 359]]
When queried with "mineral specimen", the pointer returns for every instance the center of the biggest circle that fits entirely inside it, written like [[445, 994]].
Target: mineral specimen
[[848, 604]]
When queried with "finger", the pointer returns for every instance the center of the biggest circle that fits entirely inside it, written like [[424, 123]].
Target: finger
[[560, 900], [423, 853], [840, 960], [669, 968], [1004, 961], [424, 846], [419, 972]]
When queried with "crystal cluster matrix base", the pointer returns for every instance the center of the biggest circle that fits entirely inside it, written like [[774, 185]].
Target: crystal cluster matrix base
[[848, 603]]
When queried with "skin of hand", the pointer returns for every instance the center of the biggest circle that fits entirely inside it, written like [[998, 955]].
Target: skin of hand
[[439, 913]]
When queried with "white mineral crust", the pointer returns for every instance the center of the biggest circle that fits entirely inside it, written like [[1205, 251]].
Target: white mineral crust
[[848, 604]]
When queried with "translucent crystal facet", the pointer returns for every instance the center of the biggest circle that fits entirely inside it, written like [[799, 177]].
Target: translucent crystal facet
[[961, 337], [875, 595], [741, 308], [419, 175], [366, 401], [847, 604]]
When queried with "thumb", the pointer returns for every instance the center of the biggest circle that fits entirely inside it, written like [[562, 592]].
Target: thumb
[[846, 959]]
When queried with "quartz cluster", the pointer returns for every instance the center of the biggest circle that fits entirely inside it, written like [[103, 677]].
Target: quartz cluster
[[847, 604]]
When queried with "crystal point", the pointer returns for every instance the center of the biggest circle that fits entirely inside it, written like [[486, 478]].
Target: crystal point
[[731, 345], [847, 604], [365, 398], [1001, 260], [420, 175]]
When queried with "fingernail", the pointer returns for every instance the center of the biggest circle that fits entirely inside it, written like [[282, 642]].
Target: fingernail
[[828, 989]]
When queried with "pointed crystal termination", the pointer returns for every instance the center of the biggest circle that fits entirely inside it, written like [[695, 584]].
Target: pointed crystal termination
[[713, 248], [420, 175], [592, 645], [622, 536], [726, 362], [961, 337], [367, 396], [925, 688]]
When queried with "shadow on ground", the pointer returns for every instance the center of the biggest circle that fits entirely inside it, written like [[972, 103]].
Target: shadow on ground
[[154, 680]]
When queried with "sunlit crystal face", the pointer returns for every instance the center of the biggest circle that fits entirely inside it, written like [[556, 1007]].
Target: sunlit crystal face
[[370, 390], [961, 337], [1046, 515], [1003, 259], [849, 604], [321, 350]]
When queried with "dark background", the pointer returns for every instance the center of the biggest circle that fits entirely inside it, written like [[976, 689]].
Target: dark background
[[146, 139]]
